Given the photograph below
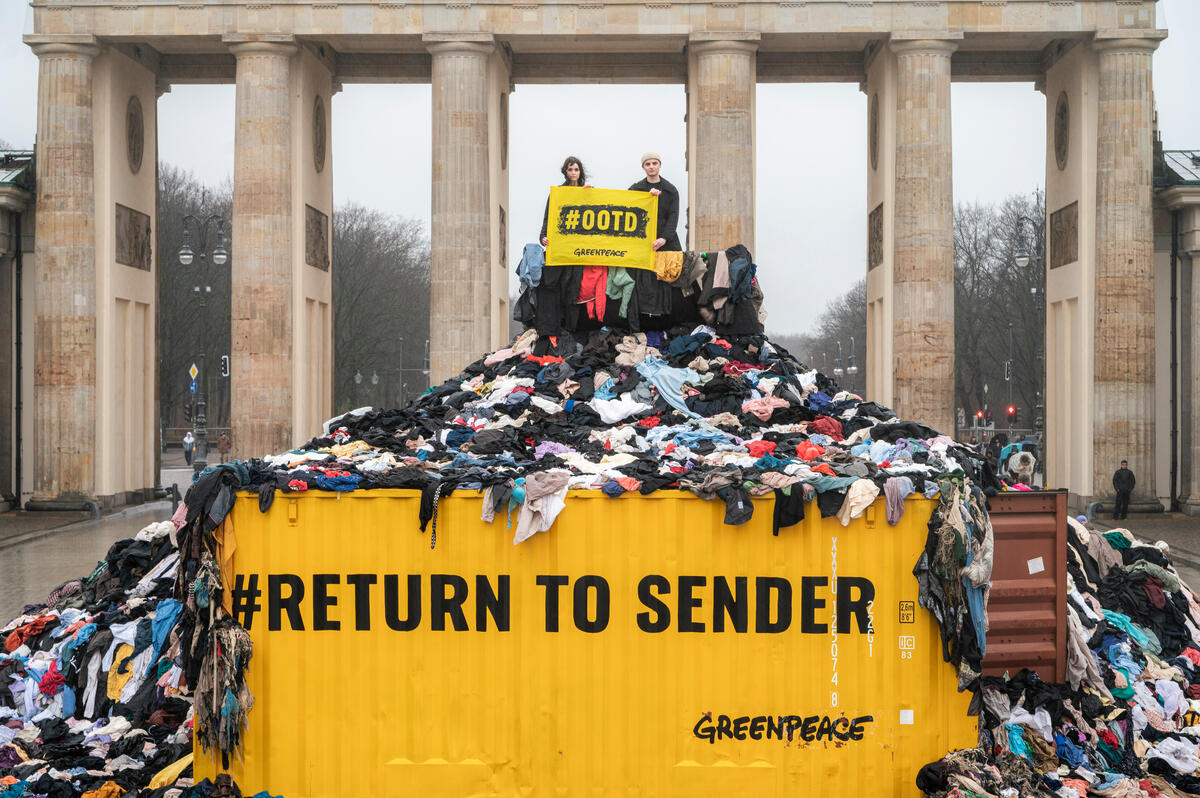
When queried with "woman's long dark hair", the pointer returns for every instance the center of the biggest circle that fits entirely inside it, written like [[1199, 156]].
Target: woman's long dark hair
[[571, 159]]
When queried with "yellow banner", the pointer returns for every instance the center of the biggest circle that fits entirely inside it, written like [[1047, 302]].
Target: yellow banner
[[601, 227]]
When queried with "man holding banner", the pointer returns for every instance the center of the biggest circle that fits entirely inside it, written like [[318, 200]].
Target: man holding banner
[[601, 227], [668, 202]]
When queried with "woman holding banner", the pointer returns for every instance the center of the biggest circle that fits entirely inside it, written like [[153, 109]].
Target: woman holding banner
[[668, 202], [573, 175]]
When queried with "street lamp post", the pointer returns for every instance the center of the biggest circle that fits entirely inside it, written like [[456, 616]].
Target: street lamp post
[[188, 256], [838, 371], [851, 367], [1023, 259]]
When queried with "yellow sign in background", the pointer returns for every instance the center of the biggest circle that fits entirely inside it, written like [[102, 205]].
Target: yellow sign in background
[[601, 227], [361, 691]]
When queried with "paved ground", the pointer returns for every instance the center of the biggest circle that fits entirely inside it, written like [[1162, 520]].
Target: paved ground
[[41, 550], [34, 564]]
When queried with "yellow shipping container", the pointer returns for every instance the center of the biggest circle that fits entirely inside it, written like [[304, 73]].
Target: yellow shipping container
[[641, 647]]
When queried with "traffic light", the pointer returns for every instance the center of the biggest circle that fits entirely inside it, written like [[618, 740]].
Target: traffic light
[[187, 412], [1017, 415], [979, 415], [1012, 414]]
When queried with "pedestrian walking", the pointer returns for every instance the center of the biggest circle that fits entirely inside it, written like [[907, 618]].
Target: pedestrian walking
[[189, 447], [1123, 482], [223, 444]]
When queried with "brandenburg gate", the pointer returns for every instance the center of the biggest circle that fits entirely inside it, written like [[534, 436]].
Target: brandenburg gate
[[104, 63]]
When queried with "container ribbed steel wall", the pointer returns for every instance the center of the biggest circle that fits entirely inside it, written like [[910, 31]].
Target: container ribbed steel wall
[[528, 712], [1027, 609]]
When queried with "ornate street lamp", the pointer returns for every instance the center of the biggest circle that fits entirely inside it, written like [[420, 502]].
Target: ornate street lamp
[[188, 256], [851, 368]]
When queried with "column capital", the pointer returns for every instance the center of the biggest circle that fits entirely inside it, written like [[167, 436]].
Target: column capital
[[708, 42], [924, 44], [243, 44], [83, 45], [444, 43], [1128, 41]]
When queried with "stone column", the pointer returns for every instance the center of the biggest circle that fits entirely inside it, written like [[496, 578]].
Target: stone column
[[923, 256], [721, 81], [1123, 385], [460, 228], [261, 257], [64, 382], [1190, 232]]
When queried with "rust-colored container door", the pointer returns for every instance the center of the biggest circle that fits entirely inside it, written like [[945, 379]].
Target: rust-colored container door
[[1027, 609]]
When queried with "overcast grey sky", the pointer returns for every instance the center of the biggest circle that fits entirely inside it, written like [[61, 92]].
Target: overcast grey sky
[[811, 149]]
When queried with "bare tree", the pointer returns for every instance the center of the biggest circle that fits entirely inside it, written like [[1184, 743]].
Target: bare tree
[[991, 291], [381, 308], [843, 321], [180, 193]]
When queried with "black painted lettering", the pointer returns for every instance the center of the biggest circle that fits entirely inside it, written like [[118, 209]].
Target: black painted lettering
[[661, 612], [739, 727], [689, 602], [793, 722], [841, 735], [775, 727], [488, 601], [856, 726], [584, 621], [441, 605], [756, 727], [362, 599], [277, 603], [825, 729], [734, 604], [704, 728], [856, 606], [723, 728], [552, 584], [322, 601], [391, 602], [809, 604], [809, 730], [764, 586]]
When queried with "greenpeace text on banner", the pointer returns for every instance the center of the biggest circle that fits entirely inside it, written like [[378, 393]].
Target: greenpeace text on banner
[[601, 227]]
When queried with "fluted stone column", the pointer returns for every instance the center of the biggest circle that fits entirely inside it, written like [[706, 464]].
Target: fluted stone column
[[261, 258], [923, 271], [1123, 387], [1190, 245], [722, 77], [64, 378], [460, 228]]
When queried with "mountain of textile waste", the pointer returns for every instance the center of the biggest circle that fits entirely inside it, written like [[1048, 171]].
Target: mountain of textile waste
[[725, 417], [1127, 722], [95, 700]]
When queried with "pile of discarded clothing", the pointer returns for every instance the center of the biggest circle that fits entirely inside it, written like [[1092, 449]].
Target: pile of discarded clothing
[[1127, 723], [724, 415], [93, 699]]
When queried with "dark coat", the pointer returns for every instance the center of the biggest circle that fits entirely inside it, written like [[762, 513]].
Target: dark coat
[[1124, 480], [668, 211]]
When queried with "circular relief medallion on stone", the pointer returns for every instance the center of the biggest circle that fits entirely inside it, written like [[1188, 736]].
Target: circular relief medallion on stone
[[873, 133], [319, 133], [1062, 130], [135, 133]]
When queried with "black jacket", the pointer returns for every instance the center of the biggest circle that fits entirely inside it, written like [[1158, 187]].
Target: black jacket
[[668, 211], [1123, 480]]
